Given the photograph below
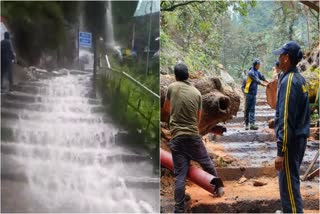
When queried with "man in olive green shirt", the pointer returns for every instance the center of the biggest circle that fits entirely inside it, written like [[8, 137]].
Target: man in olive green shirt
[[185, 105], [184, 102]]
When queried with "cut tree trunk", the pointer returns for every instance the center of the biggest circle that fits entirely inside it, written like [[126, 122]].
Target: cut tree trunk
[[271, 93], [219, 103]]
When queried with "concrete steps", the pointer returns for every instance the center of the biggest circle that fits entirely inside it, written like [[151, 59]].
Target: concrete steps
[[30, 98], [13, 168], [55, 116], [85, 156], [245, 136], [41, 107], [44, 90], [264, 117], [240, 125], [60, 146]]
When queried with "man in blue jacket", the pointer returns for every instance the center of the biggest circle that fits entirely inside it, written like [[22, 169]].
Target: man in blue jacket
[[292, 123], [253, 80]]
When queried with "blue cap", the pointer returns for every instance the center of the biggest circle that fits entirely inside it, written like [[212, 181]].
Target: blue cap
[[291, 48], [256, 61], [277, 63]]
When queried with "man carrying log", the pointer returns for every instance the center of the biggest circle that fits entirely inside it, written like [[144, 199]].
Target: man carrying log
[[184, 104], [253, 80], [292, 124]]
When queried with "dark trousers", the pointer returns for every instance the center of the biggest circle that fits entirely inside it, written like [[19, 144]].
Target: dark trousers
[[244, 106], [250, 108], [184, 149], [6, 73], [289, 180]]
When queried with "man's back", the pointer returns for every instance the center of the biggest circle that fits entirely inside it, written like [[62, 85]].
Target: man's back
[[6, 52], [185, 102]]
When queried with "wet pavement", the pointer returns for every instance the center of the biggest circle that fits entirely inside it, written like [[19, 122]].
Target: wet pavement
[[59, 153]]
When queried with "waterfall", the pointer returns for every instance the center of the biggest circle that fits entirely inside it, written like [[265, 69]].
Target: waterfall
[[109, 25]]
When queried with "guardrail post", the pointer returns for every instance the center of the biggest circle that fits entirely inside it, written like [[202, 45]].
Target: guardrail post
[[150, 114], [144, 94], [139, 102], [127, 102]]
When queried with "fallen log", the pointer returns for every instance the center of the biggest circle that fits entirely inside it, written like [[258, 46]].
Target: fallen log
[[219, 104]]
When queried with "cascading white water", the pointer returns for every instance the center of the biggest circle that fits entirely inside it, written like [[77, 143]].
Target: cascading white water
[[69, 155], [109, 25], [81, 16], [109, 33]]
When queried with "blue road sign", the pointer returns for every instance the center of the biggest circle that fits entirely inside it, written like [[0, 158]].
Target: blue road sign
[[85, 39]]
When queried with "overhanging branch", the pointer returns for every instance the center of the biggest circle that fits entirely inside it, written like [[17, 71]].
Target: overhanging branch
[[312, 4], [174, 6]]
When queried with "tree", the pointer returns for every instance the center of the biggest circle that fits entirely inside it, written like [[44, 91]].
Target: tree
[[38, 27], [172, 5], [206, 34]]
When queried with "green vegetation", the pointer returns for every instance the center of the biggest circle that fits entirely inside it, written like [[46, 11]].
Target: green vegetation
[[193, 32], [38, 27], [132, 106], [137, 71], [41, 28], [205, 34], [314, 117]]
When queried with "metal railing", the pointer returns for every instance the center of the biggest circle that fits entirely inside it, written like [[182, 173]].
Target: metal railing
[[133, 94]]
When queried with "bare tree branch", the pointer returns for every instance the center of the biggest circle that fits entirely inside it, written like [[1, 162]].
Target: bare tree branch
[[312, 4], [174, 6], [313, 13]]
